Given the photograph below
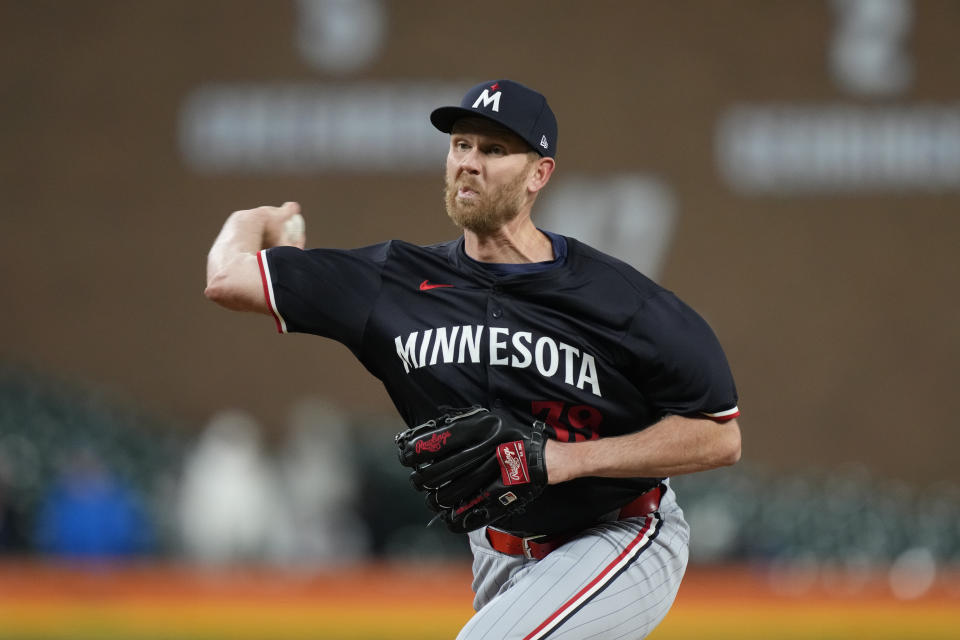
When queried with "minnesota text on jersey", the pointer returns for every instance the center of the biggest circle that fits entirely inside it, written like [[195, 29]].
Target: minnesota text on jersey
[[519, 350]]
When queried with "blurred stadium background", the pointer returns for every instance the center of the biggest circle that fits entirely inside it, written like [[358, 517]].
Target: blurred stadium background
[[169, 470]]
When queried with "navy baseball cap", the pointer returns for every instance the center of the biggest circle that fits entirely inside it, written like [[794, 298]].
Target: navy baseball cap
[[510, 104]]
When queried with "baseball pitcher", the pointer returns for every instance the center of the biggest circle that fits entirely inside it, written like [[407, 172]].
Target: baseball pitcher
[[549, 390]]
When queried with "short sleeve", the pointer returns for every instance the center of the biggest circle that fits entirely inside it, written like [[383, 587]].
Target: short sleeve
[[326, 292], [677, 362]]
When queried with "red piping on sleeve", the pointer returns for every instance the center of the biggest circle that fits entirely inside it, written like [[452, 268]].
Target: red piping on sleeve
[[266, 291]]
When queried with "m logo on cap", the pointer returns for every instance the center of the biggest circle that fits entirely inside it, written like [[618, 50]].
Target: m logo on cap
[[486, 98]]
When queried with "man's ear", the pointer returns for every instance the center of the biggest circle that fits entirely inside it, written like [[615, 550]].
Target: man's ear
[[541, 174]]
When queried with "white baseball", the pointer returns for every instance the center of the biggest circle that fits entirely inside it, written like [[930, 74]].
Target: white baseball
[[294, 228]]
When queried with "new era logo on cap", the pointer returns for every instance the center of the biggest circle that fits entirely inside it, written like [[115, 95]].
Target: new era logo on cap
[[510, 104]]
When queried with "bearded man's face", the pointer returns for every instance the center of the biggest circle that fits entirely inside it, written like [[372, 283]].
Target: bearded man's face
[[486, 177]]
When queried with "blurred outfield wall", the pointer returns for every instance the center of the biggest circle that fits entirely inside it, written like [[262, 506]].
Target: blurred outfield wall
[[791, 169]]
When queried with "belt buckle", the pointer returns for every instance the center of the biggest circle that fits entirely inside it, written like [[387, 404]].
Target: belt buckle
[[525, 544]]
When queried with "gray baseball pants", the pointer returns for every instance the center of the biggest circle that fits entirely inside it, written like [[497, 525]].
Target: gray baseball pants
[[616, 581]]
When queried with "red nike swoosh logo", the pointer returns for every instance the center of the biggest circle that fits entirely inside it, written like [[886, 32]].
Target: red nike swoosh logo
[[426, 286]]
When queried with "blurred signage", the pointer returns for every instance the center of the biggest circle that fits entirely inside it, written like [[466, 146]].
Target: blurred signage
[[795, 148], [631, 216], [291, 128]]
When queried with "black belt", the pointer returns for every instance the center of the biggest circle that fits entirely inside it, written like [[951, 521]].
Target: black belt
[[537, 547]]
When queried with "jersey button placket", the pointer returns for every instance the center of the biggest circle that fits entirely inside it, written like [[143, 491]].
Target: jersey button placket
[[496, 311]]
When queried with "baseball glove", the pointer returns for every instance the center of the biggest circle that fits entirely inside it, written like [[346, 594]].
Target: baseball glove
[[474, 466]]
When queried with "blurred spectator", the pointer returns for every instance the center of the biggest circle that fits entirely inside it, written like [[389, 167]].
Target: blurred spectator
[[13, 538], [88, 513], [321, 483], [229, 504]]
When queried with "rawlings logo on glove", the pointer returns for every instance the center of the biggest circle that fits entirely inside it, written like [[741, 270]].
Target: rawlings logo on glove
[[474, 467], [433, 444], [513, 463]]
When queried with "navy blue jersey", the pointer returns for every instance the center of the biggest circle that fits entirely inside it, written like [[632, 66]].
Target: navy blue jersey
[[590, 346]]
